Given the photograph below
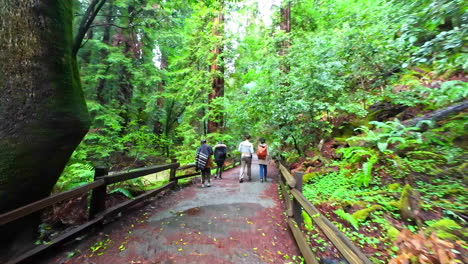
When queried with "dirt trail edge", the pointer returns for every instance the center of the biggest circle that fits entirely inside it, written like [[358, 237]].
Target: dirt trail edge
[[229, 222]]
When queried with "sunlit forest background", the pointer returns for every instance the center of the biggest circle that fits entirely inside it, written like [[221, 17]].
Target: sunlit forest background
[[338, 94]]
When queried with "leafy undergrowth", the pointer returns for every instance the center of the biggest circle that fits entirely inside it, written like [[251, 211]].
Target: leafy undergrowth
[[397, 191]]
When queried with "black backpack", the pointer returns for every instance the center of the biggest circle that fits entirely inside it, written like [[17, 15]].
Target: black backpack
[[220, 153]]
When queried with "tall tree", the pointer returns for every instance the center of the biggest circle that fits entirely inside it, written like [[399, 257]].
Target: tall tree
[[43, 116], [215, 121], [285, 25]]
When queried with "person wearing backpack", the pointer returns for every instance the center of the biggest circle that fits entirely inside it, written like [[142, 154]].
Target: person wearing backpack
[[220, 151], [263, 159], [246, 150]]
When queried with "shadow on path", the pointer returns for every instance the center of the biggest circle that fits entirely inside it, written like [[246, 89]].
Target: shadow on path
[[230, 222]]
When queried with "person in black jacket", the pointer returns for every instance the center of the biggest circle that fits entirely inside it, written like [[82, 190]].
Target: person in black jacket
[[220, 152], [204, 162]]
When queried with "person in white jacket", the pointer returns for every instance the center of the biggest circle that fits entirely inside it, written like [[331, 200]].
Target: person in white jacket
[[246, 150]]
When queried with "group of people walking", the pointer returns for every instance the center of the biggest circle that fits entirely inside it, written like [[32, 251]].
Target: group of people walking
[[204, 160]]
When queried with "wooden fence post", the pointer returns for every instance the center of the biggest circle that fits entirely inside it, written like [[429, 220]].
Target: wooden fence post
[[297, 208], [172, 173], [98, 195]]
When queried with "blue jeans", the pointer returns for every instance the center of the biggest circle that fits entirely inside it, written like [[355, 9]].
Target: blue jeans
[[263, 171]]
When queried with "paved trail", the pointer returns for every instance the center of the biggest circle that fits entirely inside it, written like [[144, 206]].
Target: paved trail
[[230, 222]]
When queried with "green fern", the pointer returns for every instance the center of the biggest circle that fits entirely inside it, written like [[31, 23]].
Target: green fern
[[74, 175], [123, 191], [347, 217]]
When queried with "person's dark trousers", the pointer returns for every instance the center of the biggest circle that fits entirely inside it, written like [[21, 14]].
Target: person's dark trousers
[[205, 174], [219, 169], [246, 168]]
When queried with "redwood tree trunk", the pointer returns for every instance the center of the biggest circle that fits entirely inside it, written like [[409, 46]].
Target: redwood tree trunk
[[43, 115], [106, 37], [215, 121]]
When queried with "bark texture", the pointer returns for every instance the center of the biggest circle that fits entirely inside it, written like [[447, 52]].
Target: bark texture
[[43, 116], [215, 121]]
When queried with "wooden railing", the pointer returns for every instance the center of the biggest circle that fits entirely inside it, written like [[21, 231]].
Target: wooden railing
[[97, 209], [291, 187]]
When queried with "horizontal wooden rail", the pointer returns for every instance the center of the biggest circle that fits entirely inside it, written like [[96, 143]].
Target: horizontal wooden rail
[[306, 252], [339, 240], [29, 255], [233, 164], [347, 249], [46, 202], [187, 176], [127, 204], [188, 166], [100, 215], [98, 219], [124, 176], [287, 176]]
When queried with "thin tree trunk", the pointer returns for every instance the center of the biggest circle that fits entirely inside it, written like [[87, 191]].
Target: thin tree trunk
[[157, 125], [43, 115], [285, 25]]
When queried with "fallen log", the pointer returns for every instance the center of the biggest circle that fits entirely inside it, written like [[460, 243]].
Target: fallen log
[[437, 115]]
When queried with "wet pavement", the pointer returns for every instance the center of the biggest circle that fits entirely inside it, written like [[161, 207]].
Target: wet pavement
[[229, 222]]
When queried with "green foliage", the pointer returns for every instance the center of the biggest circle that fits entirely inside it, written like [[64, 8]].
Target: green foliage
[[123, 191], [435, 32], [347, 217], [320, 189], [390, 132], [367, 156], [435, 193], [74, 175], [307, 221]]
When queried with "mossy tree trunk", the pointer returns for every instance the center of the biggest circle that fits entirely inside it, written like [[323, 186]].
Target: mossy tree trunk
[[43, 116]]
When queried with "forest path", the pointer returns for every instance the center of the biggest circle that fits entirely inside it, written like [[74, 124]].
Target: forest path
[[230, 222]]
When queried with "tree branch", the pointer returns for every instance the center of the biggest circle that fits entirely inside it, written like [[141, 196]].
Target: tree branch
[[86, 22], [111, 24]]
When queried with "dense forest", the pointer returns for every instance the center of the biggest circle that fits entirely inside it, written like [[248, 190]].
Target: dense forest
[[367, 97]]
